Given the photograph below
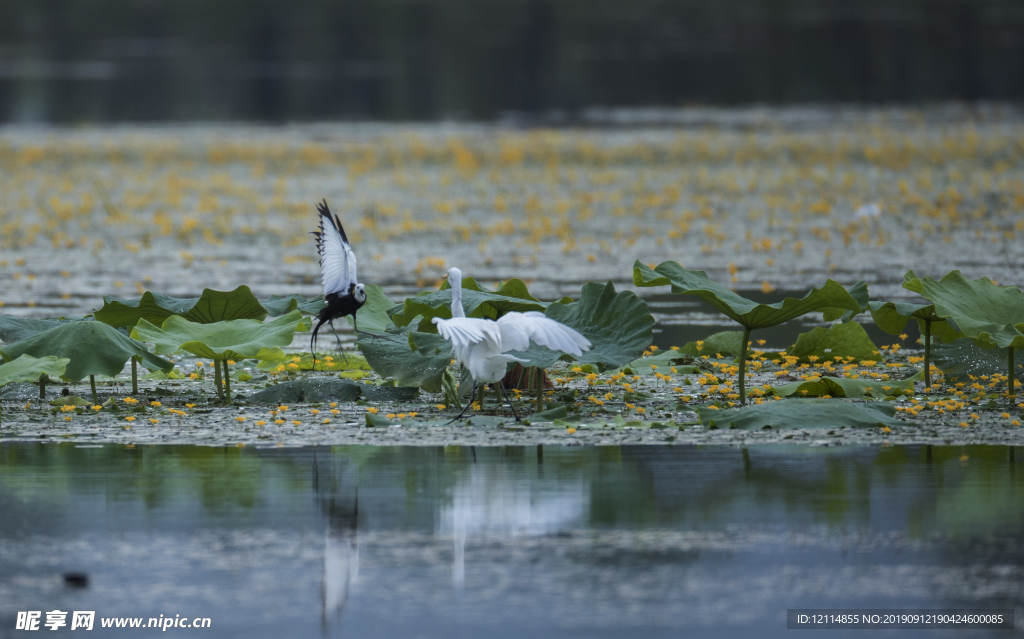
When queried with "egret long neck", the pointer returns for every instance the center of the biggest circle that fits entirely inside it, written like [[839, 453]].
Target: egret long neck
[[455, 282]]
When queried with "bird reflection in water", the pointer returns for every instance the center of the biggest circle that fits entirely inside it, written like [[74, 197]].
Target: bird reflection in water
[[341, 551]]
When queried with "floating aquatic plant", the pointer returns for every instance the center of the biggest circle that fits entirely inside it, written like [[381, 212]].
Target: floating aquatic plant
[[802, 414], [93, 348], [222, 341], [211, 306], [26, 368], [831, 299]]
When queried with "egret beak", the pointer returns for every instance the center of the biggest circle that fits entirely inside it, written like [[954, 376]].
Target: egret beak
[[444, 277]]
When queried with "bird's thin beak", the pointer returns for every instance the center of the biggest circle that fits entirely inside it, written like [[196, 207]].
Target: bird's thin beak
[[444, 277]]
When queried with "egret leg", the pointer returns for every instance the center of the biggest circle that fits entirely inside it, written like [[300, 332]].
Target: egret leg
[[339, 340], [468, 404], [501, 387]]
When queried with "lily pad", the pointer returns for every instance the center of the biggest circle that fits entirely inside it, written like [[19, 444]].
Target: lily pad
[[14, 329], [663, 363], [839, 340], [374, 315], [212, 306], [28, 369], [550, 415], [859, 292], [278, 306], [803, 414], [235, 339], [304, 362], [313, 390], [618, 324], [411, 358], [892, 317], [831, 298], [94, 348], [727, 343], [844, 387]]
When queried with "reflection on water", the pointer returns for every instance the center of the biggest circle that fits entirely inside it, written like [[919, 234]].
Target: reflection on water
[[504, 542]]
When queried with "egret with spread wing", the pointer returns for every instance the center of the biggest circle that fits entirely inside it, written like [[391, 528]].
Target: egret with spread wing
[[342, 292], [482, 345]]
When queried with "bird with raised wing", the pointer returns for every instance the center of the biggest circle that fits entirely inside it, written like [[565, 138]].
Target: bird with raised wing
[[483, 345], [343, 293]]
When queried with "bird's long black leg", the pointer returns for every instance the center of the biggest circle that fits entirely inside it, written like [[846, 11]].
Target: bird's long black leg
[[339, 341], [468, 404], [501, 387]]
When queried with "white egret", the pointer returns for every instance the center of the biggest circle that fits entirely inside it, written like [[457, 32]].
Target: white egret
[[482, 345], [342, 292]]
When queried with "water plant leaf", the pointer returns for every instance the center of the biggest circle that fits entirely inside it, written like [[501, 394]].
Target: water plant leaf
[[211, 306], [476, 301], [803, 414], [94, 348], [312, 390], [859, 292], [411, 358], [991, 315], [839, 340], [373, 316], [278, 306], [26, 368], [961, 359], [831, 298], [892, 317], [844, 387], [726, 343], [619, 326], [304, 362], [14, 329], [234, 339], [663, 363]]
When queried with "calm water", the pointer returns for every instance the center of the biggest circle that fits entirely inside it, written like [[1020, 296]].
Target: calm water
[[507, 542]]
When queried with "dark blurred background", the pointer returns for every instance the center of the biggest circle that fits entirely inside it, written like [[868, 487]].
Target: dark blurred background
[[69, 61]]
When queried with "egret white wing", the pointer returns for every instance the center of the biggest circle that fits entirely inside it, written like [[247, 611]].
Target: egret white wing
[[337, 261], [464, 331], [519, 329]]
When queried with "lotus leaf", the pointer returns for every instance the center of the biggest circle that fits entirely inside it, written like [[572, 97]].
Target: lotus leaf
[[618, 324], [278, 306], [94, 348], [727, 343], [802, 413], [28, 369], [859, 292], [212, 306], [892, 317], [844, 387], [14, 329], [318, 389], [234, 339], [411, 358], [839, 340], [991, 315], [373, 316], [963, 358], [304, 362], [832, 300], [477, 302]]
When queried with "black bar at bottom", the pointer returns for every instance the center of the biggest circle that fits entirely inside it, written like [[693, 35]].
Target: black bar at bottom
[[898, 618]]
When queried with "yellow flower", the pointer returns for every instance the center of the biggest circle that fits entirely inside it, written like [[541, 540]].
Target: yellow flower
[[641, 410], [390, 415], [261, 423], [129, 419], [190, 405], [440, 406], [199, 364], [334, 404], [67, 418], [335, 411], [282, 408], [886, 429], [296, 422], [154, 421], [372, 409], [314, 412], [240, 419], [155, 404], [97, 407], [278, 421], [570, 431]]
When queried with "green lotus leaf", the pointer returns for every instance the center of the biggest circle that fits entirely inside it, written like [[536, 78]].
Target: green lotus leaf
[[477, 302], [304, 362], [802, 414], [663, 363], [411, 358], [859, 292], [278, 306], [839, 340], [892, 317], [212, 306], [963, 358], [618, 324], [14, 329], [234, 339], [726, 343], [26, 368], [831, 299], [94, 348], [373, 316], [991, 315], [844, 387]]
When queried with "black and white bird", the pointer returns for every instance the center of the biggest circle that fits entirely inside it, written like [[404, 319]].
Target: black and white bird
[[342, 292], [482, 345]]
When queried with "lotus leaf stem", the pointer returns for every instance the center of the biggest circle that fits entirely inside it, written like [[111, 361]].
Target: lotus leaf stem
[[538, 375], [227, 379], [42, 386], [135, 376], [927, 354], [743, 365], [1012, 392], [92, 385], [216, 379], [480, 395]]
